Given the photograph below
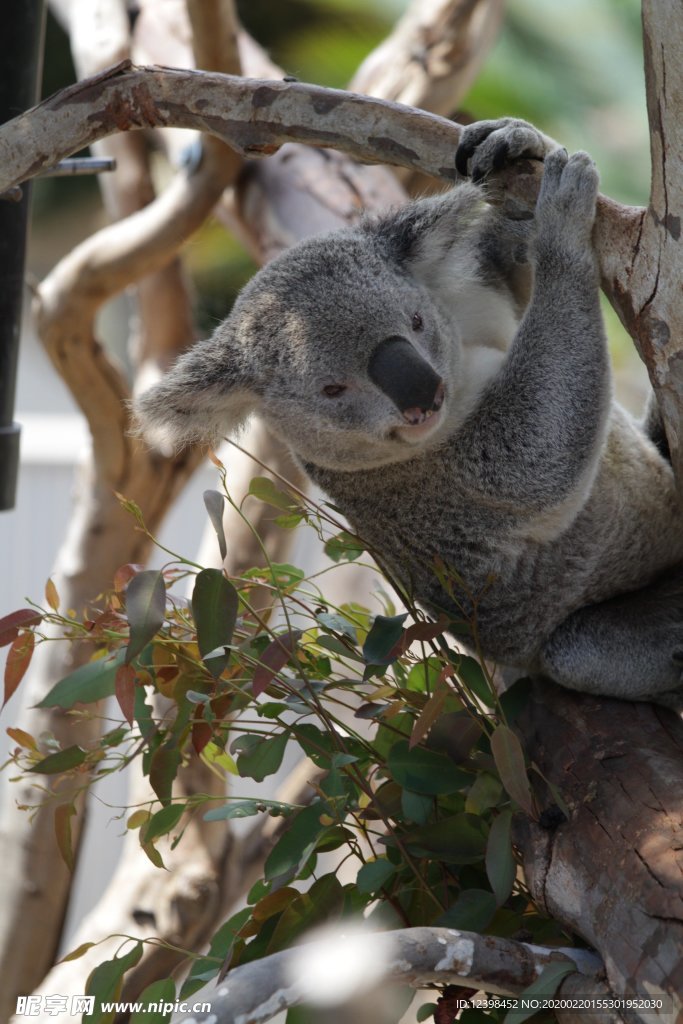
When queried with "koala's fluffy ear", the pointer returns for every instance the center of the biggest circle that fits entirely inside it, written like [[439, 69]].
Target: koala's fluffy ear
[[425, 237], [203, 397]]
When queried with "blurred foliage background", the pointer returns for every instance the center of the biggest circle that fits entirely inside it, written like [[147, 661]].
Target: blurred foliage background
[[573, 68]]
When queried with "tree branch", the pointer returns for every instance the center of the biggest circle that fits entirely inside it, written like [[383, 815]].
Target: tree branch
[[419, 957], [256, 117], [433, 55]]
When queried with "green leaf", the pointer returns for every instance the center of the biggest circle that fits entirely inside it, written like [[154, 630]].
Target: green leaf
[[336, 645], [163, 770], [263, 488], [425, 771], [486, 793], [545, 985], [158, 992], [161, 823], [374, 875], [214, 608], [77, 953], [261, 756], [344, 547], [338, 624], [509, 757], [207, 967], [280, 574], [238, 808], [145, 609], [425, 1012], [471, 912], [86, 685], [501, 867], [215, 502], [105, 983], [297, 844], [416, 807], [515, 699], [214, 754], [383, 637], [62, 761], [323, 901], [472, 674], [460, 839]]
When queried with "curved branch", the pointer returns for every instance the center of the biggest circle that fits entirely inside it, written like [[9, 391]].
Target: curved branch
[[418, 957], [253, 116], [256, 117]]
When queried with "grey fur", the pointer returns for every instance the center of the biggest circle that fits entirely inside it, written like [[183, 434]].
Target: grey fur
[[553, 512]]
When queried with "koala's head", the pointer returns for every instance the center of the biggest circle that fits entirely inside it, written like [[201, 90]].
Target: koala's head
[[344, 344]]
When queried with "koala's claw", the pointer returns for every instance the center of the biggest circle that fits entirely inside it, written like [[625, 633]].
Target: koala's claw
[[487, 146]]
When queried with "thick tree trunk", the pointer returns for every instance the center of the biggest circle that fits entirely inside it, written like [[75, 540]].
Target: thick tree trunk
[[613, 872]]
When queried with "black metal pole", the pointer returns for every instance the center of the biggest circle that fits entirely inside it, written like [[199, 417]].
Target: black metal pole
[[21, 60]]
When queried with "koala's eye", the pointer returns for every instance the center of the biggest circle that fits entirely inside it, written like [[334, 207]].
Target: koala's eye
[[333, 390], [417, 322]]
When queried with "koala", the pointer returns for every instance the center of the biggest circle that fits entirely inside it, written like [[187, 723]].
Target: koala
[[442, 373]]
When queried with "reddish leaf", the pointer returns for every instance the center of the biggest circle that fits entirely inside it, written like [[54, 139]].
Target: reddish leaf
[[63, 815], [11, 624], [276, 655], [124, 575], [423, 631], [18, 660], [428, 716], [124, 688], [51, 595], [108, 620], [201, 735]]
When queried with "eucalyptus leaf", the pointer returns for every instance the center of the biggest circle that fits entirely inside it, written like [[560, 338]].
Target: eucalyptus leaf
[[263, 758], [145, 609], [384, 635], [87, 684], [501, 866], [215, 505], [425, 771], [214, 608]]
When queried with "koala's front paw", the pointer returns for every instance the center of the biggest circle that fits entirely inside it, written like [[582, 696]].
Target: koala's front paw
[[488, 145], [565, 210]]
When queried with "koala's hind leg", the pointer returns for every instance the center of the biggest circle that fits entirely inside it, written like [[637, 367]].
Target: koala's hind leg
[[629, 647]]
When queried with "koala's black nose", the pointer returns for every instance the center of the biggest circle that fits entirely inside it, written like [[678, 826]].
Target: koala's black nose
[[406, 378]]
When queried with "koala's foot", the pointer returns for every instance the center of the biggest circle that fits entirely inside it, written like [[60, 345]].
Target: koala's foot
[[565, 210], [629, 647], [486, 146]]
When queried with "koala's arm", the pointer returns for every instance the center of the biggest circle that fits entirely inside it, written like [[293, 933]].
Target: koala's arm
[[536, 435]]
